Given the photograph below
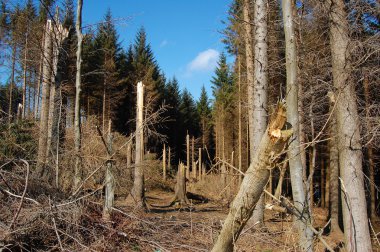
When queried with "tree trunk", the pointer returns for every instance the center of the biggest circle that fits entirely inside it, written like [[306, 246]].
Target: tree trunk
[[46, 83], [109, 180], [354, 206], [239, 115], [255, 179], [194, 169], [334, 168], [249, 71], [77, 117], [164, 163], [129, 160], [260, 88], [295, 163], [278, 191], [38, 84], [169, 159], [138, 185], [199, 164], [371, 163], [180, 188], [187, 156], [24, 77], [12, 84]]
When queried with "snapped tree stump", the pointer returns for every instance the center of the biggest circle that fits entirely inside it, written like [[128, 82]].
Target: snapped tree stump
[[255, 179], [180, 188]]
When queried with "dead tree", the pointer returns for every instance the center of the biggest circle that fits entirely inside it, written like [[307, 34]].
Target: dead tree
[[295, 162], [355, 219], [164, 163], [109, 179], [180, 187], [77, 119], [138, 184], [187, 156], [46, 82], [271, 145]]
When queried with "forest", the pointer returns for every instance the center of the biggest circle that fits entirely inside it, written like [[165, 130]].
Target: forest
[[100, 150]]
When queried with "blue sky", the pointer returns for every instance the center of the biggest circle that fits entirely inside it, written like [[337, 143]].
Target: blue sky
[[184, 34]]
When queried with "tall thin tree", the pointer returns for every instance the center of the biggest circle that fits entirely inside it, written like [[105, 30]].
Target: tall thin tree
[[355, 219], [77, 120], [295, 163]]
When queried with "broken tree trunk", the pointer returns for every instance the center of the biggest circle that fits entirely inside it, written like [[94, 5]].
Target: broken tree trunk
[[255, 179], [200, 164], [278, 191], [187, 156], [180, 188], [109, 180], [164, 163], [194, 169], [138, 184]]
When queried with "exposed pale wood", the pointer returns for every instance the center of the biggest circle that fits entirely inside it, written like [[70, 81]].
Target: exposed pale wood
[[180, 188], [187, 156], [138, 184], [199, 163], [255, 179], [109, 179]]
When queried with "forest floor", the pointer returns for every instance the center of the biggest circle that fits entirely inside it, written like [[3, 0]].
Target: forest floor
[[195, 227]]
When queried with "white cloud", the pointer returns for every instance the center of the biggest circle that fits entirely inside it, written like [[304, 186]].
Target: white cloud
[[164, 43], [205, 61]]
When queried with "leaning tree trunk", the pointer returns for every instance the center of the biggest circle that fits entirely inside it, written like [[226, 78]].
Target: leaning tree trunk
[[295, 162], [137, 192], [354, 206], [256, 177], [77, 119], [260, 87], [46, 82]]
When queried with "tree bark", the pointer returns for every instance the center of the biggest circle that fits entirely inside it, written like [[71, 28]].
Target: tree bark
[[24, 77], [180, 188], [334, 168], [138, 184], [187, 156], [46, 82], [371, 163], [278, 191], [354, 206], [164, 163], [255, 179], [295, 163], [78, 89], [129, 160], [109, 180], [260, 88]]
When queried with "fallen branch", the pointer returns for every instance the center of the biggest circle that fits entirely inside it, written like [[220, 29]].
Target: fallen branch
[[22, 196]]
